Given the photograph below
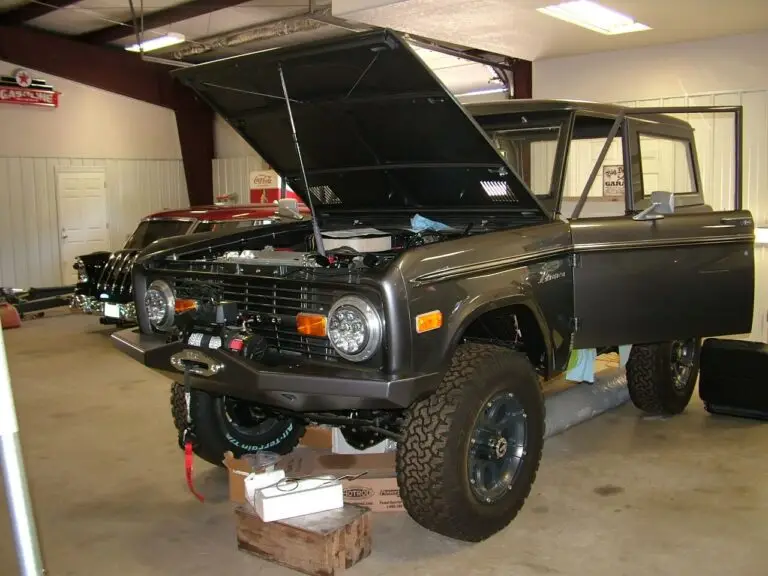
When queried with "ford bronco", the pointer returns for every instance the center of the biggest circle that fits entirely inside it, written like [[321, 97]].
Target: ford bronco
[[457, 256]]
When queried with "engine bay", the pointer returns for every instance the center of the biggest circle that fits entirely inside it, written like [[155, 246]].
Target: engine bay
[[357, 247]]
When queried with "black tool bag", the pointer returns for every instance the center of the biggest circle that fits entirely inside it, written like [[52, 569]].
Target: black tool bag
[[733, 378]]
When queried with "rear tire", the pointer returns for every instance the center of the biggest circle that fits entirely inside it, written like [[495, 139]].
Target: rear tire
[[218, 430], [661, 377], [446, 462]]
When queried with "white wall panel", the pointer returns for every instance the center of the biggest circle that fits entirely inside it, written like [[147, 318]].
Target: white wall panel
[[89, 123], [29, 230], [231, 175]]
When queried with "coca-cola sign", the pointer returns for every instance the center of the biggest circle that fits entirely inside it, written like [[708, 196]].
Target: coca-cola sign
[[23, 89]]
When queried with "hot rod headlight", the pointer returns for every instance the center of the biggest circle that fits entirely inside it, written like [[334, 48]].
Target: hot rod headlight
[[82, 274], [354, 328], [160, 304]]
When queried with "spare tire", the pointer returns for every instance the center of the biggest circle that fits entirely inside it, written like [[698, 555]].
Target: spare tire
[[224, 424]]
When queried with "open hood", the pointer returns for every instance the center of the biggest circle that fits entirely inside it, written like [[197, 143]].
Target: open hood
[[377, 129]]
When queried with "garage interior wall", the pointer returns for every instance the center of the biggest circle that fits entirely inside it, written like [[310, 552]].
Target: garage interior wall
[[136, 144], [724, 71]]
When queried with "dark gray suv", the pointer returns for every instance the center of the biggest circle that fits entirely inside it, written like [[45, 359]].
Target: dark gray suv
[[457, 257]]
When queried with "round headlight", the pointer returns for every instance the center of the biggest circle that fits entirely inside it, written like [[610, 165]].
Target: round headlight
[[82, 274], [160, 303], [354, 328]]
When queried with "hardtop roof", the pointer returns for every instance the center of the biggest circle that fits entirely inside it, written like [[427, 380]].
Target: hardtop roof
[[557, 105]]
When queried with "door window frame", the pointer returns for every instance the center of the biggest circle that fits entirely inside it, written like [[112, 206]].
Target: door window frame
[[646, 127]]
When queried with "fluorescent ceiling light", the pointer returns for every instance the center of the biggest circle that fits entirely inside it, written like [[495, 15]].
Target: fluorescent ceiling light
[[482, 92], [593, 16], [169, 39]]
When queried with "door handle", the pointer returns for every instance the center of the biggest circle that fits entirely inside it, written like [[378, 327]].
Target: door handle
[[735, 220]]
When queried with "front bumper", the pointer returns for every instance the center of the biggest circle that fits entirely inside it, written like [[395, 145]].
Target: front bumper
[[300, 386], [118, 313], [86, 304]]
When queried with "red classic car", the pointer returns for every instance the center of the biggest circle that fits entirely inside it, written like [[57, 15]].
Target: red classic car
[[104, 278]]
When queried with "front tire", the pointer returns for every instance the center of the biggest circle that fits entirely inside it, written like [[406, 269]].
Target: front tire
[[223, 424], [472, 449], [661, 377]]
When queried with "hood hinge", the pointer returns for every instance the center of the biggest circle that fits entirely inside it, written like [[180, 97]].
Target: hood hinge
[[575, 323], [574, 260]]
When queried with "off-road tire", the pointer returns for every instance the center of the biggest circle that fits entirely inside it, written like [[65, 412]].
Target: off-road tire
[[432, 459], [213, 437], [650, 379]]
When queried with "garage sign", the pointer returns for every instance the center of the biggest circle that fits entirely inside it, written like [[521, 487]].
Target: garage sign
[[22, 89], [613, 181]]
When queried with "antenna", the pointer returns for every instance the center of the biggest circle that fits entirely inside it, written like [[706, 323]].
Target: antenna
[[315, 229]]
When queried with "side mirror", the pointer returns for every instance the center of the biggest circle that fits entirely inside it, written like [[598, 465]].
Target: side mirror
[[289, 208], [661, 203]]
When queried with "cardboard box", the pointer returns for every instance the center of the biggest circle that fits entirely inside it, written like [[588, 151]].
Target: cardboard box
[[238, 469], [318, 437], [375, 489]]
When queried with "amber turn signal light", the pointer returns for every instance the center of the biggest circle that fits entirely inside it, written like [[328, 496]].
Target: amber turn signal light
[[184, 305], [429, 321], [311, 324]]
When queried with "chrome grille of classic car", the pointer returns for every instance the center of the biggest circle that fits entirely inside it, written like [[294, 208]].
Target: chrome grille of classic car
[[271, 304], [115, 279]]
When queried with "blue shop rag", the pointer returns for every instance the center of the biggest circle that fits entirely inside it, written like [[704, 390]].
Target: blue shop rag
[[419, 223], [581, 364]]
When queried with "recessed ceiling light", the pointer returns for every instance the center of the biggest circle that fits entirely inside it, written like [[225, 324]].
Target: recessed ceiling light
[[593, 16], [169, 39]]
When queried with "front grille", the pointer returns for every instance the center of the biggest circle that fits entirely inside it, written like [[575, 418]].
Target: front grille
[[271, 304], [115, 279]]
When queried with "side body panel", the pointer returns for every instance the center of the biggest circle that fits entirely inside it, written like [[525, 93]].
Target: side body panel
[[690, 274], [468, 277]]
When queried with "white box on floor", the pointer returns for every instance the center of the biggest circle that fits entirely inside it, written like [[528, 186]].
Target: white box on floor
[[292, 498]]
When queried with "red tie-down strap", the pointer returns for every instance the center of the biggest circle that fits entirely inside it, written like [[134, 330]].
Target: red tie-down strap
[[188, 461]]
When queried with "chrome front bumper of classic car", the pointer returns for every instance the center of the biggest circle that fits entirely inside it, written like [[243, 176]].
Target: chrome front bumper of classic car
[[119, 312], [301, 386], [86, 304], [108, 310]]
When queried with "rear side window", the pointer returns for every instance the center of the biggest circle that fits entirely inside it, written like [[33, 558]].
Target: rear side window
[[667, 165], [150, 230], [224, 226]]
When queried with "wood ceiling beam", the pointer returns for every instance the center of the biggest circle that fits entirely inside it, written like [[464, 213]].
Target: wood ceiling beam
[[123, 73], [32, 10], [522, 78], [158, 19]]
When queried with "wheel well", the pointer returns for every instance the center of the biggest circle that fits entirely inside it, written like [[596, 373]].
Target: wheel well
[[512, 326]]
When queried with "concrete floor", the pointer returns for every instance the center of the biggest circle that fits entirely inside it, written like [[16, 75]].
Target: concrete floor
[[619, 495]]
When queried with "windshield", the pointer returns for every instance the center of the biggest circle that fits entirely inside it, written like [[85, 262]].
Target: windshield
[[150, 230], [531, 152]]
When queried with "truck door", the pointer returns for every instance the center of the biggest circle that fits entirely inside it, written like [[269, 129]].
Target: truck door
[[688, 274]]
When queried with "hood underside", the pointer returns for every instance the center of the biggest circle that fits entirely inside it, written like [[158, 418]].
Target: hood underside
[[377, 129]]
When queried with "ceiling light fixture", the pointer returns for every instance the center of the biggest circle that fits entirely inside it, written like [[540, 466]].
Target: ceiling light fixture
[[593, 16], [164, 41], [482, 92]]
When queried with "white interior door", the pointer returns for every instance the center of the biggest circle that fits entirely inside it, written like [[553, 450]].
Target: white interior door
[[82, 206]]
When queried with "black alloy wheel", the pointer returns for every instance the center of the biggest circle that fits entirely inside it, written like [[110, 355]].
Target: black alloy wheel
[[497, 447]]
